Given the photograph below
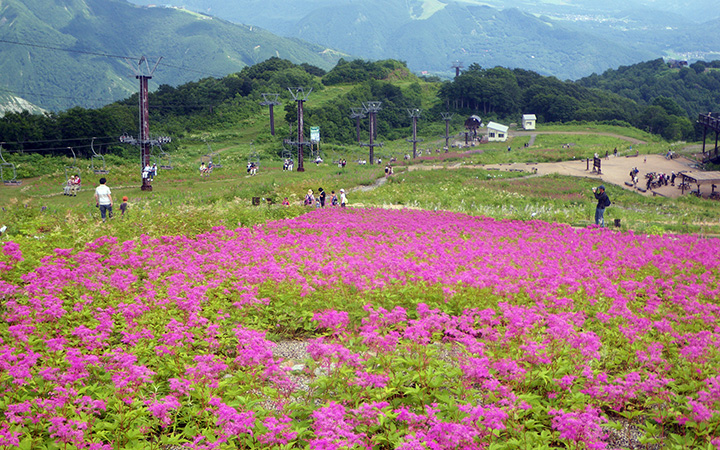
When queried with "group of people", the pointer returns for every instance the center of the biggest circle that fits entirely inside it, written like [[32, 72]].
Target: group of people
[[104, 201], [252, 168], [319, 201], [149, 172], [288, 164], [660, 179], [72, 186], [206, 169], [653, 179]]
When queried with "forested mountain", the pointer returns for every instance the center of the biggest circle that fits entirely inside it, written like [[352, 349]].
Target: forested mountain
[[568, 39], [62, 53], [696, 89]]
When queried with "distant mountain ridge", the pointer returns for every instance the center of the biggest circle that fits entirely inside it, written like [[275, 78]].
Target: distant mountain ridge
[[99, 32], [571, 39]]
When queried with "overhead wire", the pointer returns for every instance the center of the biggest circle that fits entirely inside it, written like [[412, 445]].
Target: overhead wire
[[92, 53]]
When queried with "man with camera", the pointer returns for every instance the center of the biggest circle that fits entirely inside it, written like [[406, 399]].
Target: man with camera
[[603, 202]]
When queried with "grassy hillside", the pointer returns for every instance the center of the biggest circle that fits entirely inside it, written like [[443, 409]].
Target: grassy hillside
[[184, 202]]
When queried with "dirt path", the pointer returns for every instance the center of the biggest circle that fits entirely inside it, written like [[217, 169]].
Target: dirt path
[[615, 170], [377, 183]]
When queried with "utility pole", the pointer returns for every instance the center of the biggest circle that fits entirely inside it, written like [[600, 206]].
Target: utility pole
[[300, 96], [414, 114], [447, 116], [270, 100], [372, 109], [144, 73], [357, 114], [457, 65]]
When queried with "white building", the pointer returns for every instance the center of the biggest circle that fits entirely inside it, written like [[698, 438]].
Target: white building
[[496, 132], [528, 121]]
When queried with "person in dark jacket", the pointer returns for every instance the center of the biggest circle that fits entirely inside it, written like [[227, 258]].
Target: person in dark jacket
[[322, 197], [603, 202]]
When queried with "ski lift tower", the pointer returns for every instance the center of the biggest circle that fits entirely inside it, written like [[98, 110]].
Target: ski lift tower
[[271, 100], [144, 74], [357, 114], [300, 96], [372, 109], [457, 65], [414, 114], [447, 116]]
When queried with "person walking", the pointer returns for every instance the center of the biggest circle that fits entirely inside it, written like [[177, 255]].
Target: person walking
[[103, 199], [603, 202], [123, 206]]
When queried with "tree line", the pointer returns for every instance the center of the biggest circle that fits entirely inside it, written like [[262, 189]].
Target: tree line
[[649, 96]]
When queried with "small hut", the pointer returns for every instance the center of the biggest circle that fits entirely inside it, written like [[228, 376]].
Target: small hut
[[497, 132], [528, 121]]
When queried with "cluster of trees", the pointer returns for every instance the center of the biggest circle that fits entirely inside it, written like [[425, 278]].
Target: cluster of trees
[[505, 94], [695, 88], [649, 95]]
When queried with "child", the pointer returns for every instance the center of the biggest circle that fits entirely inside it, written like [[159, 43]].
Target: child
[[123, 206]]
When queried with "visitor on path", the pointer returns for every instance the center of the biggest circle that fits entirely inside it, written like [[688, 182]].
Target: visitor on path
[[333, 198], [123, 206], [343, 198], [103, 199], [286, 202], [603, 202]]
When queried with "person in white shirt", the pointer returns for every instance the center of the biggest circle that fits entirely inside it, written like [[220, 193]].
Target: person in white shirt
[[103, 199], [343, 199]]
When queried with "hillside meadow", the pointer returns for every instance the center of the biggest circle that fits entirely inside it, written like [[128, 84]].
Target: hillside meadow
[[447, 309]]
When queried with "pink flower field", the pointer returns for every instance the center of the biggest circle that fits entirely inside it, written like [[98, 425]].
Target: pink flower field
[[410, 330]]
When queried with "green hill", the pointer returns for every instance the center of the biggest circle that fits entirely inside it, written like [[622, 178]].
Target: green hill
[[63, 54], [695, 89]]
